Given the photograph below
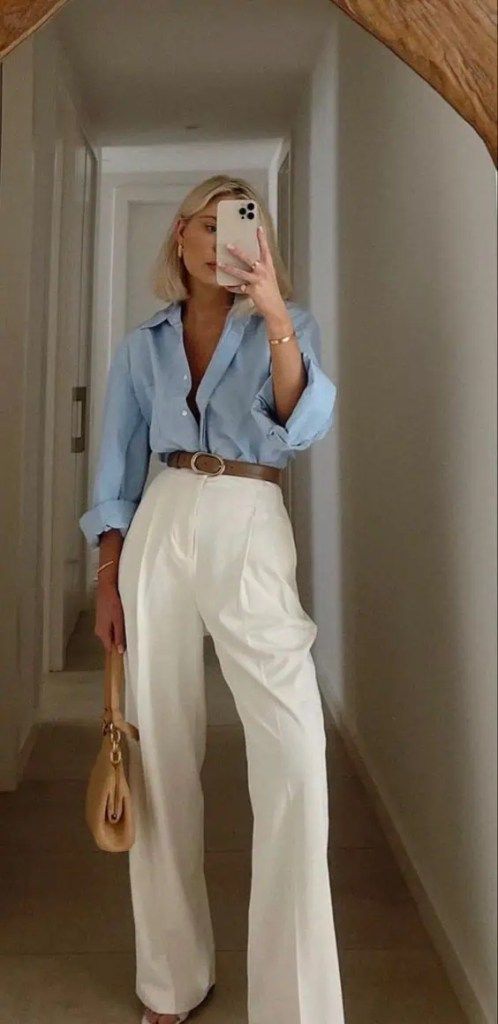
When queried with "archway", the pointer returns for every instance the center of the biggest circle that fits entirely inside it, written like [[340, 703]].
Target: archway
[[449, 43]]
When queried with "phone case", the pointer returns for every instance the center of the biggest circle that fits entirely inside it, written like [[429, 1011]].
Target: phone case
[[236, 222]]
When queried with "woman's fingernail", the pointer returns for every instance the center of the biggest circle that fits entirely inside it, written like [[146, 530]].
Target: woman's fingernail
[[121, 649]]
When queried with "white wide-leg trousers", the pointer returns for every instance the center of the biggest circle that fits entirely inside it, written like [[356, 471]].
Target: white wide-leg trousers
[[220, 551]]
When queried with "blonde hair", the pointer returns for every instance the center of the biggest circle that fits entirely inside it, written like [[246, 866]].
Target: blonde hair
[[169, 277]]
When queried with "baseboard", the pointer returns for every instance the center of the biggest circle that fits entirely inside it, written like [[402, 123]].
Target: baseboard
[[27, 747], [11, 772], [457, 974]]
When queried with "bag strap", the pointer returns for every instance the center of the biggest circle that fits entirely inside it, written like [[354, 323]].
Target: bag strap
[[113, 682]]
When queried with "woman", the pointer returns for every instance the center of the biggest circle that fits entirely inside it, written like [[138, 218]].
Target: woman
[[230, 372]]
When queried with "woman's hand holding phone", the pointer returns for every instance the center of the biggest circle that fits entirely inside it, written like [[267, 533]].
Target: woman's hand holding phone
[[256, 275]]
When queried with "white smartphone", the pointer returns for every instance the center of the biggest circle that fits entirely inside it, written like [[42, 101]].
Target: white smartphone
[[236, 222]]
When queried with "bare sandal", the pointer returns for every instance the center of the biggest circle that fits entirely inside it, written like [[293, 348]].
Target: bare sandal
[[152, 1017]]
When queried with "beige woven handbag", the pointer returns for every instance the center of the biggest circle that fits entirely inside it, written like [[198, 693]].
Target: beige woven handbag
[[108, 805]]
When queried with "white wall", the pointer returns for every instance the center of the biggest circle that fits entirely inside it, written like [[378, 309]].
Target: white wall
[[417, 335], [28, 132], [316, 486], [16, 216]]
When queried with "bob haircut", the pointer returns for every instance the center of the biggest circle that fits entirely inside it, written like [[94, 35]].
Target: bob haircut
[[169, 276]]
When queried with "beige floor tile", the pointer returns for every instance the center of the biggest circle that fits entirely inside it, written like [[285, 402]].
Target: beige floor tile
[[82, 989], [352, 818], [227, 807], [64, 750], [79, 901], [221, 707], [369, 872], [49, 906], [226, 753], [66, 902], [380, 987], [71, 696], [45, 815], [371, 924], [228, 877], [372, 905], [365, 917], [397, 987], [84, 650], [339, 762], [96, 988]]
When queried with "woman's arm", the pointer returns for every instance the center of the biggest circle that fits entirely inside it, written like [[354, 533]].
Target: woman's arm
[[110, 544], [289, 374], [313, 412], [109, 614]]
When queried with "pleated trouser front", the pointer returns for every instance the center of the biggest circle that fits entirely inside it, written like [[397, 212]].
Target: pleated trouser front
[[221, 551]]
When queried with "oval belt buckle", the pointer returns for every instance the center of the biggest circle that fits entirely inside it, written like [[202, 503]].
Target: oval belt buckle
[[210, 455]]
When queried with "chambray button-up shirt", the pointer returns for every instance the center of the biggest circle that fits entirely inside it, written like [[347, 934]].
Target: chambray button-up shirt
[[146, 406]]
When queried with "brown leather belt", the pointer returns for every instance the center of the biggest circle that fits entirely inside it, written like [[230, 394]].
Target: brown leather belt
[[215, 465]]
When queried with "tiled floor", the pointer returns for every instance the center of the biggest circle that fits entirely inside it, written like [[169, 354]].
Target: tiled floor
[[66, 928]]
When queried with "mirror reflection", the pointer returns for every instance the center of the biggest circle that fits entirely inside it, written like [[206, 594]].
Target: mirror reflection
[[249, 376]]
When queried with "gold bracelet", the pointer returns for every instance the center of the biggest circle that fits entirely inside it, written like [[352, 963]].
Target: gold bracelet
[[111, 562], [280, 341]]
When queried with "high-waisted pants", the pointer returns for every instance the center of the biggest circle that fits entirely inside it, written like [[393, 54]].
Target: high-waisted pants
[[220, 551]]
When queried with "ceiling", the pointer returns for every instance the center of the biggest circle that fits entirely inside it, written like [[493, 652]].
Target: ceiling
[[149, 69]]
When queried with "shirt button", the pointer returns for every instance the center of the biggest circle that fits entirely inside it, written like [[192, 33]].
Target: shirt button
[[184, 412], [185, 376]]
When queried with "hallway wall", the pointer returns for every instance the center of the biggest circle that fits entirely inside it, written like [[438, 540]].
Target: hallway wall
[[30, 74], [417, 315], [16, 217], [316, 484]]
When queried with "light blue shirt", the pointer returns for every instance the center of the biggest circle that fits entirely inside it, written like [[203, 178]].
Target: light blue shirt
[[146, 408]]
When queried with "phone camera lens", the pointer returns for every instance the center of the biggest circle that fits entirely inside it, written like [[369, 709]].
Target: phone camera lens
[[250, 206], [250, 216], [242, 210]]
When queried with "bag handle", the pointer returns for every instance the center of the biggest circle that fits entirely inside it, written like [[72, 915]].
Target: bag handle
[[113, 682]]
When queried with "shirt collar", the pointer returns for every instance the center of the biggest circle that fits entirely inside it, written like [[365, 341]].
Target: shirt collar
[[171, 313]]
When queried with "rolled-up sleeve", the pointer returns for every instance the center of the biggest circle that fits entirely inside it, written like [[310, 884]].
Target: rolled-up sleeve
[[124, 455], [313, 414]]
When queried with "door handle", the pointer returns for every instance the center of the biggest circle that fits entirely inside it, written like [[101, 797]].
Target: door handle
[[78, 439]]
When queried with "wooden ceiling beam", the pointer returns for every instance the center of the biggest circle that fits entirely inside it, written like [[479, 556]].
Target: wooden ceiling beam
[[19, 18], [452, 44]]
